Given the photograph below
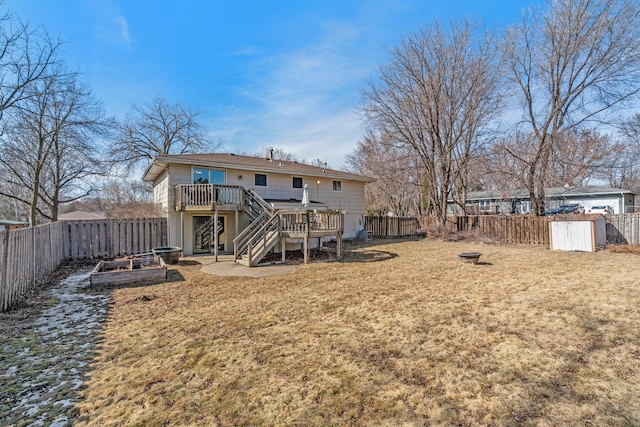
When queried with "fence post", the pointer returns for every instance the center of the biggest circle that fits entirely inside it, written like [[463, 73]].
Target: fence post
[[4, 264]]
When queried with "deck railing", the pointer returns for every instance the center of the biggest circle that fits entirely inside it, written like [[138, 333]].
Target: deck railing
[[207, 195], [302, 221]]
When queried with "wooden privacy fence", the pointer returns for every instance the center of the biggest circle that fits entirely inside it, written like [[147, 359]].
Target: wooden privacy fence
[[623, 228], [517, 229], [531, 230], [29, 255], [391, 226], [103, 238]]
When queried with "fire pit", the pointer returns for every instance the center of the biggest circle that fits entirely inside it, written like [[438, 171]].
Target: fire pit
[[145, 270], [470, 257]]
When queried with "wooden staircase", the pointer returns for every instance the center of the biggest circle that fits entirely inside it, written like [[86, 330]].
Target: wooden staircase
[[268, 227], [251, 246]]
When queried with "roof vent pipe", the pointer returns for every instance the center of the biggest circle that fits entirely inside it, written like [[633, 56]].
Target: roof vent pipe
[[270, 154]]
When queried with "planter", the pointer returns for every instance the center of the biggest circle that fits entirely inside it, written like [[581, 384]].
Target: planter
[[470, 257], [170, 254], [145, 270]]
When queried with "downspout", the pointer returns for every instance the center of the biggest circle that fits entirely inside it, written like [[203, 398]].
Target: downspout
[[169, 202]]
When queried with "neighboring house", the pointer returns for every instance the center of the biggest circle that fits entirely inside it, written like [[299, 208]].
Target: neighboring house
[[80, 215], [518, 201], [7, 224], [241, 193]]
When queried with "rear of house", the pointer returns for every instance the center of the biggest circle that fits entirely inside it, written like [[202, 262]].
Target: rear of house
[[211, 199]]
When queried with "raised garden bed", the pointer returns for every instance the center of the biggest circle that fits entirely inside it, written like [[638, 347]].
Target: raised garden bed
[[142, 271]]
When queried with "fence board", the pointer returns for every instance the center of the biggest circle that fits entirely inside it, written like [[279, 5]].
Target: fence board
[[516, 229], [526, 229], [31, 254], [27, 256], [385, 227], [623, 228]]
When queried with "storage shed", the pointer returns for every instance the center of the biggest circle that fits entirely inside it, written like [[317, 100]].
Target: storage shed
[[577, 232]]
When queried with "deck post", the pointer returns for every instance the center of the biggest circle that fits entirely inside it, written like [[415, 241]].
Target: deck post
[[181, 230], [284, 249], [236, 221], [215, 233], [306, 249]]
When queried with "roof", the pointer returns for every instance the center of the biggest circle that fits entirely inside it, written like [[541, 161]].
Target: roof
[[576, 217], [553, 192], [11, 222], [74, 215], [235, 161]]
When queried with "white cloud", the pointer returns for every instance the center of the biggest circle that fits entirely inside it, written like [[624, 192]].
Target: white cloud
[[307, 98], [124, 29], [111, 26]]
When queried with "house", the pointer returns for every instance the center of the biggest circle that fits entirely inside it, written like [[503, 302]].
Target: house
[[246, 196], [6, 224], [518, 201]]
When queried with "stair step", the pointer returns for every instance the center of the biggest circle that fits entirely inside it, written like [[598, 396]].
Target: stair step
[[244, 261]]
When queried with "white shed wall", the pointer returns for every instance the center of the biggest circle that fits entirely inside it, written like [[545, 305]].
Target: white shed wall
[[582, 236]]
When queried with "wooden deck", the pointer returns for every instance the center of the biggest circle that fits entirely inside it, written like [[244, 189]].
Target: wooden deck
[[207, 197], [308, 224]]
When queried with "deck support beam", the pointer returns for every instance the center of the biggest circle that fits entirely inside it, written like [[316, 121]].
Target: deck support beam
[[215, 234]]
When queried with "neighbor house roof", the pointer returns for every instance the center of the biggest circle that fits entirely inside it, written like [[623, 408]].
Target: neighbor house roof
[[11, 222], [553, 192], [75, 215], [235, 161]]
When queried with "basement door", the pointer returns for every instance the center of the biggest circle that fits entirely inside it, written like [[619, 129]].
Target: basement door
[[203, 237]]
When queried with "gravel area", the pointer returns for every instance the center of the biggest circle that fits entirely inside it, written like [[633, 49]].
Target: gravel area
[[44, 366]]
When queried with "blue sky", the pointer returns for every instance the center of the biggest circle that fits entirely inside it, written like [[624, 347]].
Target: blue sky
[[286, 74]]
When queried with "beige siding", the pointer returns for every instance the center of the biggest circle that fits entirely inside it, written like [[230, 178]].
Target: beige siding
[[181, 174], [161, 193], [279, 186]]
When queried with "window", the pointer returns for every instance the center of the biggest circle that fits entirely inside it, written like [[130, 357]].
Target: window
[[261, 179], [208, 176], [297, 182], [337, 185]]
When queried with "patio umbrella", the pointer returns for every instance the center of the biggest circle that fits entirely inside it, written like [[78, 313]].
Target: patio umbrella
[[305, 196]]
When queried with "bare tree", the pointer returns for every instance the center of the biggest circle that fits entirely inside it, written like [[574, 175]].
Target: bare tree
[[51, 145], [81, 129], [622, 169], [119, 198], [159, 128], [573, 66], [276, 153], [397, 173], [437, 98], [576, 159], [26, 56], [10, 208], [129, 199]]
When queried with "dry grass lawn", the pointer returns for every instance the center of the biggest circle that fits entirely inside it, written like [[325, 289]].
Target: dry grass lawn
[[399, 333]]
